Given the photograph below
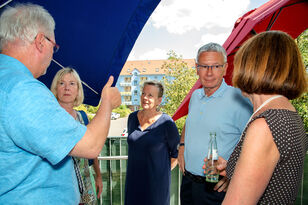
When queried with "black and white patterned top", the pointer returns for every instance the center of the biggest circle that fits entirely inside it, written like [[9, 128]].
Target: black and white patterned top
[[291, 140]]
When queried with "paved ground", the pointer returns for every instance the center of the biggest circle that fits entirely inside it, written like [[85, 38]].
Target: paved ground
[[117, 126]]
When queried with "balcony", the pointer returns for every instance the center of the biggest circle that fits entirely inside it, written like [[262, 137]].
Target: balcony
[[124, 84], [126, 93], [113, 162], [127, 103]]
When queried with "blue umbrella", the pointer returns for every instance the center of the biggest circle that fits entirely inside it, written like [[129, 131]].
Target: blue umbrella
[[95, 37]]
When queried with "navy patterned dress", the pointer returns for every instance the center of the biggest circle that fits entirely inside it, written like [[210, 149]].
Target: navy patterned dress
[[292, 143]]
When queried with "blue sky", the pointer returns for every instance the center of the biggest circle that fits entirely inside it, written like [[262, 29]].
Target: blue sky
[[185, 25]]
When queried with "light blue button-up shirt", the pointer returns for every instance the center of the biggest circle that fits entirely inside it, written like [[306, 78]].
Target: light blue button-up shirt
[[225, 112], [36, 136]]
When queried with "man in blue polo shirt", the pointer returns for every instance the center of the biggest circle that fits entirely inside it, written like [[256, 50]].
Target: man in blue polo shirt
[[37, 136], [218, 108]]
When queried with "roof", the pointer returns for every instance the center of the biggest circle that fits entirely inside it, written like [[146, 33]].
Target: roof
[[149, 67]]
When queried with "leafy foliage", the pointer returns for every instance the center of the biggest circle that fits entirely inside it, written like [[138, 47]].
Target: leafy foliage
[[302, 42], [178, 81], [90, 110], [301, 104], [123, 110]]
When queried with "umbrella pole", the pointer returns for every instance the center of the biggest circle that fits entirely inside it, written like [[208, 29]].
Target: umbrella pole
[[5, 3], [85, 84]]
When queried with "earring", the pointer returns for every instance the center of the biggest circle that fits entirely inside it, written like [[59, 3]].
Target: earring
[[158, 108]]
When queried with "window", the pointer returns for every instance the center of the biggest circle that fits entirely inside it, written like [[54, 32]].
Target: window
[[127, 79], [144, 70], [135, 92], [128, 70], [156, 69], [135, 82], [144, 78]]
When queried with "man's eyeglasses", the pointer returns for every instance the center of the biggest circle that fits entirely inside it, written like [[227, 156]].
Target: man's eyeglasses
[[212, 67], [55, 46]]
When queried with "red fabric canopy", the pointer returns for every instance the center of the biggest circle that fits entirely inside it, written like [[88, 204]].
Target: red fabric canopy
[[289, 16]]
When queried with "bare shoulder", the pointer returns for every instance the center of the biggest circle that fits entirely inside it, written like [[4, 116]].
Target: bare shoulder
[[259, 136], [258, 124], [259, 127]]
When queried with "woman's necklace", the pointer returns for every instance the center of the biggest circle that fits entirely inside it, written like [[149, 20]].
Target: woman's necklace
[[259, 108]]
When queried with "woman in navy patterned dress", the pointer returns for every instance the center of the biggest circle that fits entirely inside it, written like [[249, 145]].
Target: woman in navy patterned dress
[[267, 164]]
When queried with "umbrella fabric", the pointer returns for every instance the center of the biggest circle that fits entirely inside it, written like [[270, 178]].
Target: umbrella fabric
[[289, 16], [95, 37]]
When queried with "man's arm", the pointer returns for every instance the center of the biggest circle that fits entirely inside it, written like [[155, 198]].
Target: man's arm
[[94, 139], [181, 160]]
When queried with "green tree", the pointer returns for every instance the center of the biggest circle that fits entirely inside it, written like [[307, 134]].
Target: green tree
[[89, 109], [301, 104], [123, 110], [178, 81], [302, 42]]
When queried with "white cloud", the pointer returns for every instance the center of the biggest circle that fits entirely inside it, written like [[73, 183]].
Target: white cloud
[[132, 56], [216, 38], [155, 54], [181, 16]]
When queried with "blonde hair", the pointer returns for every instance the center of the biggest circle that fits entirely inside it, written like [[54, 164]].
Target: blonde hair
[[270, 63], [58, 77]]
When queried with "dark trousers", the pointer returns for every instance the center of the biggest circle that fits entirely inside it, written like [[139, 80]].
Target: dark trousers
[[196, 193]]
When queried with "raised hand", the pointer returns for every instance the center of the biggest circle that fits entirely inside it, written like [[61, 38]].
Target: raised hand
[[111, 94]]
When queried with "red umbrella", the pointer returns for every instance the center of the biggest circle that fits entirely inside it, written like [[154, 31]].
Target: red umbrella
[[289, 16]]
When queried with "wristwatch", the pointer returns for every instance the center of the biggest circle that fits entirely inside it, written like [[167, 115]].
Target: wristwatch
[[180, 144]]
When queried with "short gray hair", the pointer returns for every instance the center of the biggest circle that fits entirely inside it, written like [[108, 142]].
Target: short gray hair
[[24, 22], [212, 47], [156, 84]]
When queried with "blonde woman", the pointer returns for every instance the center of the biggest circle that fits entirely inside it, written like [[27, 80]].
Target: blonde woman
[[67, 88]]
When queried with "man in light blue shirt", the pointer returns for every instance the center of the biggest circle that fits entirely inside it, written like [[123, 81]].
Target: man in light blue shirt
[[37, 136], [218, 108]]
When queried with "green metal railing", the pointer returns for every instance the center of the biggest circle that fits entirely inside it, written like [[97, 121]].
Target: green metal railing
[[113, 161]]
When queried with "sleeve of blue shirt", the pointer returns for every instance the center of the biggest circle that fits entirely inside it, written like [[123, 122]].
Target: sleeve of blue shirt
[[242, 115], [37, 123]]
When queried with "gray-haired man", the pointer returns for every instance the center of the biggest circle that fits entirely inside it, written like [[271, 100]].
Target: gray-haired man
[[37, 136], [216, 107]]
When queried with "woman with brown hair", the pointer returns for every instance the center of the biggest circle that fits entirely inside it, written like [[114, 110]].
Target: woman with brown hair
[[267, 164]]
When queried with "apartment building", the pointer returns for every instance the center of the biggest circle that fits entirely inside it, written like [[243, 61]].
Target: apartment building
[[133, 75]]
